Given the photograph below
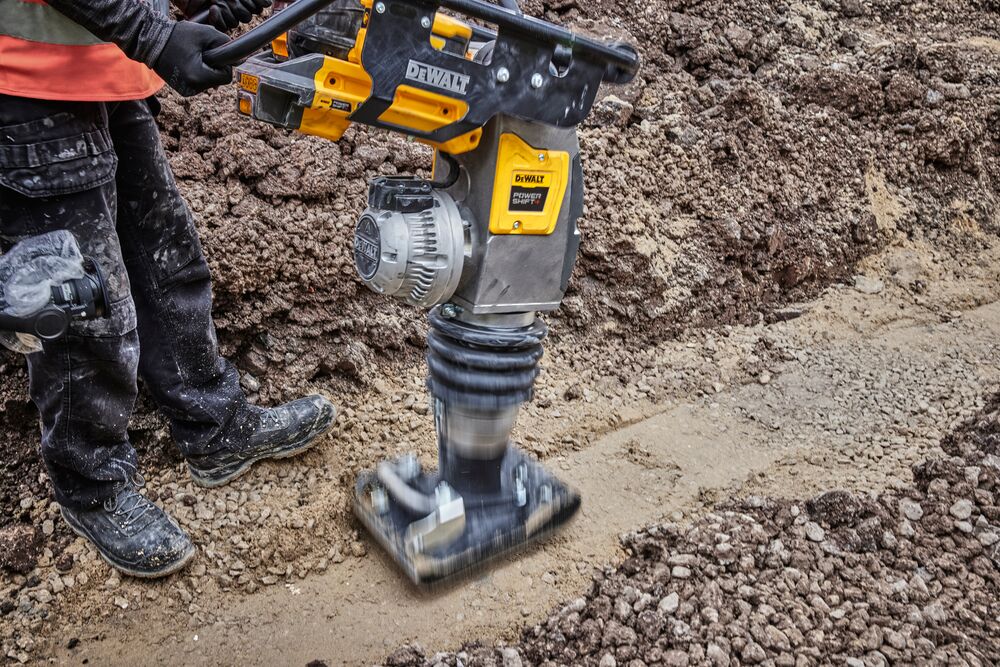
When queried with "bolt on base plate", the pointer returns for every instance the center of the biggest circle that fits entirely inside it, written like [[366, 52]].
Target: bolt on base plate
[[469, 529]]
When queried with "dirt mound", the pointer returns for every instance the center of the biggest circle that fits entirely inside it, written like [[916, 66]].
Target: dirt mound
[[911, 577], [763, 150]]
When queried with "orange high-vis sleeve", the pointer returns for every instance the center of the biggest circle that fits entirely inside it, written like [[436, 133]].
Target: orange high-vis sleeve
[[44, 55]]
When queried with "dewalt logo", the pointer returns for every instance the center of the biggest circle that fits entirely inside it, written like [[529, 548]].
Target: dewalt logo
[[532, 180], [529, 191], [454, 82]]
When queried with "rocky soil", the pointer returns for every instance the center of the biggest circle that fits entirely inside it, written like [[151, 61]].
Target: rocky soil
[[735, 174], [767, 151], [909, 577]]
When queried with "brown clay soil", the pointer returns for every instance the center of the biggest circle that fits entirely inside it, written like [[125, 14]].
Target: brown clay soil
[[788, 284]]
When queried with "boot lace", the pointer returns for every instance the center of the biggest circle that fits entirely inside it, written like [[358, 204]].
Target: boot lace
[[272, 419], [130, 505]]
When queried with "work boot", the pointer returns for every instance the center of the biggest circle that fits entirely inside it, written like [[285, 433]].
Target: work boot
[[285, 431], [133, 535]]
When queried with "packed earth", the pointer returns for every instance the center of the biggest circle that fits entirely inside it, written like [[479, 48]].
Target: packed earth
[[773, 380]]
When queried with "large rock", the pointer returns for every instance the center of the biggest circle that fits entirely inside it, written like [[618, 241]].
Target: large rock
[[20, 547]]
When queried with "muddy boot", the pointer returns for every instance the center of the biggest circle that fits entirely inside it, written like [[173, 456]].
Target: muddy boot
[[284, 431], [133, 535]]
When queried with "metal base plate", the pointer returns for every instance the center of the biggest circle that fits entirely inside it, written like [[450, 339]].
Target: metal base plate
[[495, 524]]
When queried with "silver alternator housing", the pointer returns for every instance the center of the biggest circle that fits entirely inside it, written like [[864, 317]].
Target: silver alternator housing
[[410, 242]]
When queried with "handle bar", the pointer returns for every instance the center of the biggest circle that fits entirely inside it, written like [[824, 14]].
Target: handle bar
[[248, 44], [622, 60]]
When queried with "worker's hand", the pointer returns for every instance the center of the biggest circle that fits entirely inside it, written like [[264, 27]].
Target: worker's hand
[[182, 64], [223, 15]]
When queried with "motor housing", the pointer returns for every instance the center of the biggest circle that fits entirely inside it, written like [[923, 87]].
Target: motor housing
[[410, 243]]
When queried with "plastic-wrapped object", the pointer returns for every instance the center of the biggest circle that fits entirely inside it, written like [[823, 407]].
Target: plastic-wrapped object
[[27, 275], [332, 31]]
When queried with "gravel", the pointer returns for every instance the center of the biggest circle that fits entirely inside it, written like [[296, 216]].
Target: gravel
[[764, 150], [845, 594]]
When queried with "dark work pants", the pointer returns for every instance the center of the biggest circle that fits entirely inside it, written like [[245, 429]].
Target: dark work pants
[[99, 171]]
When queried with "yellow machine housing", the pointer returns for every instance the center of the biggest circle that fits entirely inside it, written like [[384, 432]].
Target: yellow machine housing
[[341, 85]]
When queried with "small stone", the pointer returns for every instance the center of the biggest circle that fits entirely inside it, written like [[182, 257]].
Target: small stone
[[868, 285], [988, 538], [65, 562], [815, 532], [680, 572], [851, 8], [676, 658], [895, 639], [613, 110], [121, 602], [608, 661], [48, 527], [753, 653], [775, 639], [669, 604], [936, 613], [511, 658], [911, 509], [962, 509], [250, 383], [716, 655]]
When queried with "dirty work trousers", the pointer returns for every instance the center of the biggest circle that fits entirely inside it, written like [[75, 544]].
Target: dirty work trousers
[[100, 171]]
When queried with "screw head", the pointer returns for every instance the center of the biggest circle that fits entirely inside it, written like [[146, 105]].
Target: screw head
[[426, 22], [541, 157], [449, 310], [517, 224], [537, 80], [380, 7], [503, 75]]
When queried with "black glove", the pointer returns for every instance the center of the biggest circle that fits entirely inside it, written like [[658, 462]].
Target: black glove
[[181, 63], [223, 15]]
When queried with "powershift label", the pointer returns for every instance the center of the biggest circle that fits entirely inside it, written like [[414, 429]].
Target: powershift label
[[529, 192]]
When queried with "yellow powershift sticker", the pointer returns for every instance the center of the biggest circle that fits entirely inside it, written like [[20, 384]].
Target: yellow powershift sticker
[[529, 188]]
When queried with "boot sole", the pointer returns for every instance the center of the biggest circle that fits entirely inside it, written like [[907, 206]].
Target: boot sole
[[176, 566], [300, 446]]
